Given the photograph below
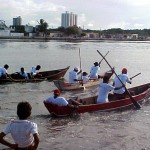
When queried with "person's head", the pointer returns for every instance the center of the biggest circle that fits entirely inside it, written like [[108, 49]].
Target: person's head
[[56, 92], [22, 69], [38, 67], [96, 63], [124, 71], [6, 66], [84, 73], [24, 110], [76, 69], [105, 79]]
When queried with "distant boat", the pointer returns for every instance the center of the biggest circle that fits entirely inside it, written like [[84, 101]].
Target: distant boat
[[46, 75], [139, 93]]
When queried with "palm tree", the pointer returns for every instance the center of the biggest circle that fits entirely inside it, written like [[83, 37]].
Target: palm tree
[[43, 26]]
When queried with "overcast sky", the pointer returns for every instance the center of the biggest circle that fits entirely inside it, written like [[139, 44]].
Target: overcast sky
[[92, 14]]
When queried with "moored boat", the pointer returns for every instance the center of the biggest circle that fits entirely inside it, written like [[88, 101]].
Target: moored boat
[[45, 75], [139, 93], [63, 85]]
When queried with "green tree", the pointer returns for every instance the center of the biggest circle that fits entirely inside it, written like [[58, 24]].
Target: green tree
[[72, 30], [43, 26]]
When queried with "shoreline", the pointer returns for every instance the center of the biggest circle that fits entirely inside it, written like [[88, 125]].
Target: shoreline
[[65, 39]]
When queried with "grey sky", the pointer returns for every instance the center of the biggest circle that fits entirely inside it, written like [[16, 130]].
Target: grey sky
[[92, 14]]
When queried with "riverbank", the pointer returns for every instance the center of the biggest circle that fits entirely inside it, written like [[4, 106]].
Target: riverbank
[[68, 39]]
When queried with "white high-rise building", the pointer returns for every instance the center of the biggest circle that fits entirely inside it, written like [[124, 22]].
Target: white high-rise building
[[17, 21], [68, 19]]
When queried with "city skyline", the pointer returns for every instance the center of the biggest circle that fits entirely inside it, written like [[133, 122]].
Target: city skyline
[[96, 14]]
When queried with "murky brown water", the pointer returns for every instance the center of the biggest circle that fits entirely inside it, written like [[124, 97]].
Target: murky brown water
[[126, 130]]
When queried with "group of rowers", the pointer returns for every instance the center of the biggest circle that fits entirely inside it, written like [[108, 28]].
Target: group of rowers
[[22, 74], [118, 87], [25, 133]]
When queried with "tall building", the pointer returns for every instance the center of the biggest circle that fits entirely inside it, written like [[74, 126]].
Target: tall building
[[17, 21], [68, 19]]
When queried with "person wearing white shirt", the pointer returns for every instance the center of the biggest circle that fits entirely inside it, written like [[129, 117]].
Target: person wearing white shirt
[[35, 71], [94, 71], [125, 79], [3, 71], [104, 89], [73, 75], [85, 78], [24, 132], [23, 74], [57, 100]]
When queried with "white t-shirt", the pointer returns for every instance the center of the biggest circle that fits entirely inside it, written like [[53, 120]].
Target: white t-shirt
[[60, 101], [25, 75], [104, 89], [85, 79], [124, 78], [3, 71], [33, 71], [22, 132], [73, 75], [94, 72]]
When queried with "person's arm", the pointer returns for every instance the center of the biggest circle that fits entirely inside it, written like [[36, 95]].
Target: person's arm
[[36, 141], [5, 142], [79, 71]]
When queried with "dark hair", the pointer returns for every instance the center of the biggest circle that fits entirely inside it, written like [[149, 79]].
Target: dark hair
[[6, 66], [38, 67], [24, 110], [105, 79]]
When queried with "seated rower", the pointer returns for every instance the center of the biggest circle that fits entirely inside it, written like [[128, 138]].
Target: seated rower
[[94, 71], [85, 78], [104, 89], [3, 72], [121, 93], [35, 72], [22, 74], [57, 100], [73, 75]]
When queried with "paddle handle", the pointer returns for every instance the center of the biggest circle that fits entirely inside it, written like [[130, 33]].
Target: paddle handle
[[135, 76], [136, 104], [103, 58]]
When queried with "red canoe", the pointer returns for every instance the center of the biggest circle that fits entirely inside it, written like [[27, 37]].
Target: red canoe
[[139, 93]]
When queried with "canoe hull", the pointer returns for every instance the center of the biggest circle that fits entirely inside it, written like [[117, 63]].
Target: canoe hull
[[62, 85], [89, 104], [46, 75]]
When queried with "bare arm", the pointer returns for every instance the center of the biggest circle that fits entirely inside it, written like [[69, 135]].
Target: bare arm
[[36, 141], [5, 142]]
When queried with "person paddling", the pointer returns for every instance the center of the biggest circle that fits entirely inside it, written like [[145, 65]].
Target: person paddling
[[35, 72], [121, 93], [60, 101], [3, 72], [94, 71], [73, 75]]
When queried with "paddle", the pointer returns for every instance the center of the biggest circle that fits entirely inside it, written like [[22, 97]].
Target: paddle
[[103, 58], [135, 76], [136, 104], [80, 64]]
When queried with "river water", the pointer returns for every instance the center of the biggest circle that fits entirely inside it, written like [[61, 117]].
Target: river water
[[123, 130]]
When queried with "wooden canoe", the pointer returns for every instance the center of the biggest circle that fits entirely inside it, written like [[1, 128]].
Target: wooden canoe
[[139, 93], [65, 86], [46, 75]]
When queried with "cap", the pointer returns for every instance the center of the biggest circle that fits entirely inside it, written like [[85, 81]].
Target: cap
[[124, 71], [76, 68], [96, 63], [57, 91]]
